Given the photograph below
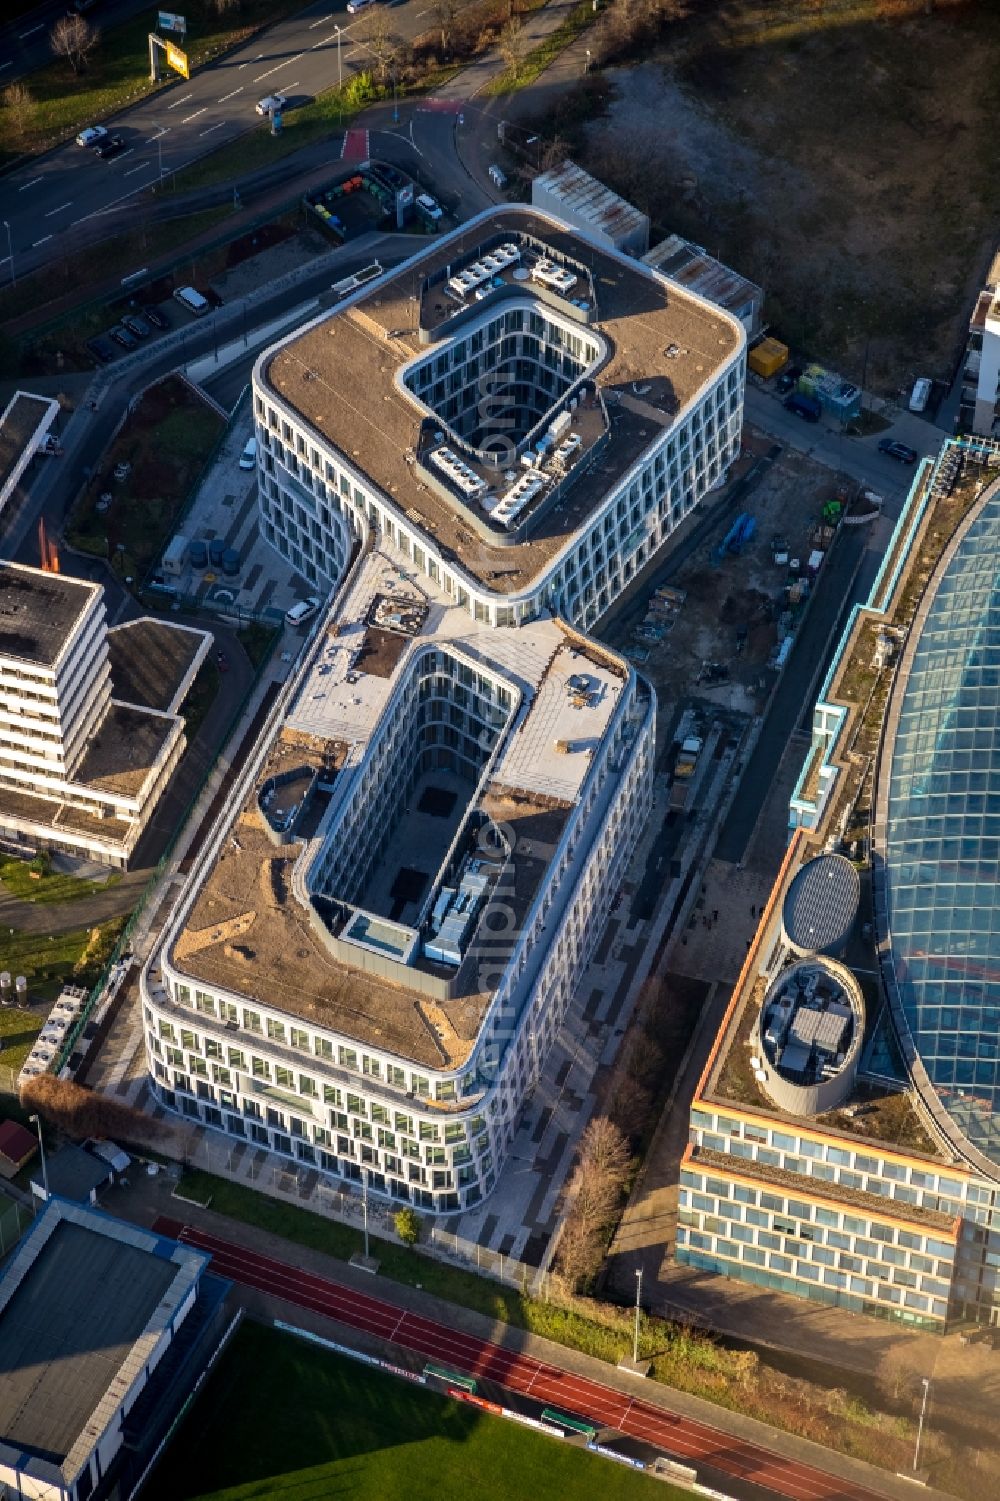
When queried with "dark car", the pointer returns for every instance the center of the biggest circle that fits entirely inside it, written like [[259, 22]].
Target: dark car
[[155, 317], [123, 337], [212, 297], [788, 377], [137, 325], [113, 146], [806, 407], [899, 451], [101, 350]]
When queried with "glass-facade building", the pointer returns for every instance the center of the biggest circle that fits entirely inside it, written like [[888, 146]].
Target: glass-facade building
[[941, 837]]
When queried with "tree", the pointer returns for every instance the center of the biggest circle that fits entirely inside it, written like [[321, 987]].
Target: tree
[[73, 38], [513, 44], [19, 106], [445, 12], [407, 1223], [378, 37], [579, 1255], [81, 1112]]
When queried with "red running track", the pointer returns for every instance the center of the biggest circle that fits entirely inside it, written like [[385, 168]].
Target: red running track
[[682, 1438]]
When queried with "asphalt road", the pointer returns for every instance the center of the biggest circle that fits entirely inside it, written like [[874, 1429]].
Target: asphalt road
[[48, 198], [24, 42]]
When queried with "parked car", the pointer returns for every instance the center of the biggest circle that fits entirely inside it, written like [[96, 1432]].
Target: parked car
[[101, 350], [899, 451], [92, 136], [137, 325], [216, 549], [212, 297], [788, 377], [498, 176], [112, 147], [271, 104], [353, 6], [123, 337], [122, 471], [222, 661], [429, 207], [155, 317], [806, 407], [248, 458]]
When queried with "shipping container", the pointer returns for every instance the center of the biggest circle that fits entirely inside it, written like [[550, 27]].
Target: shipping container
[[767, 358]]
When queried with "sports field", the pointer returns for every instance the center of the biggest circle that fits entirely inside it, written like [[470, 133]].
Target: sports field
[[282, 1418]]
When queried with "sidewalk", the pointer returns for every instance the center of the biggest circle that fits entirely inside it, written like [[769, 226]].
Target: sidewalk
[[149, 1198]]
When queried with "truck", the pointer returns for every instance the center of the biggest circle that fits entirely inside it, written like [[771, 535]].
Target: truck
[[687, 756], [175, 556]]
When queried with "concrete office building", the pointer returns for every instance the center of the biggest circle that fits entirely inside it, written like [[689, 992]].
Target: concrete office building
[[378, 947], [845, 1134], [103, 1328], [81, 769], [979, 408]]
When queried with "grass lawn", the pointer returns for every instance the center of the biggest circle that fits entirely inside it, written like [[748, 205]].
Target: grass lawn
[[280, 1417], [50, 961], [63, 101], [258, 641], [34, 881], [18, 1030], [167, 440], [200, 697]]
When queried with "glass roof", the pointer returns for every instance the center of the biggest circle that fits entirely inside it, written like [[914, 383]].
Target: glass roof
[[943, 837]]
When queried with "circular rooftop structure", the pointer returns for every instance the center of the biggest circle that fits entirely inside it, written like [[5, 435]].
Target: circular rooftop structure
[[821, 905], [937, 891], [807, 1037]]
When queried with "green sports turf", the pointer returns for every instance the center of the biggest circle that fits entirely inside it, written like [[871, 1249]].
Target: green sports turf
[[282, 1419]]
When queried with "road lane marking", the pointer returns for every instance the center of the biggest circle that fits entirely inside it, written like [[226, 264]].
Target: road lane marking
[[232, 95], [24, 35], [5, 65], [125, 154], [142, 167], [25, 186], [217, 126], [5, 260], [157, 136], [321, 22], [294, 59], [58, 210], [188, 118], [180, 101], [41, 241]]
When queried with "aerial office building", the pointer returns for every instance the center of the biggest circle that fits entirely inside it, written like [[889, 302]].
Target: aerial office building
[[845, 1135], [475, 455], [84, 751]]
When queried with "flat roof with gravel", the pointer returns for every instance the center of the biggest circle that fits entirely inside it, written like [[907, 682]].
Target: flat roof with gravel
[[149, 660], [39, 612], [662, 345]]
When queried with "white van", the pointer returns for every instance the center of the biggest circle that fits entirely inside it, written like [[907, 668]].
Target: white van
[[921, 394], [192, 300], [303, 611], [248, 458]]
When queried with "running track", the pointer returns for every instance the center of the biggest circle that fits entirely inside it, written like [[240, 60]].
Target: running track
[[682, 1438]]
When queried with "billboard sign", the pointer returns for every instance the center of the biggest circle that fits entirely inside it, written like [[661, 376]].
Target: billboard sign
[[168, 21], [177, 60]]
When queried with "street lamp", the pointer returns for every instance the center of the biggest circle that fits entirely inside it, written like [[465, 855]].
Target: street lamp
[[586, 68], [340, 63], [10, 248], [925, 1381], [638, 1306], [36, 1121], [364, 1206]]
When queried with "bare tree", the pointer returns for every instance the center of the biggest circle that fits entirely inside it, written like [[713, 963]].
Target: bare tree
[[580, 1253], [378, 37], [445, 12], [73, 38], [19, 106], [605, 1151], [513, 45], [223, 7]]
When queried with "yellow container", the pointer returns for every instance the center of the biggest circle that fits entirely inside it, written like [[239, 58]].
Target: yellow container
[[767, 358]]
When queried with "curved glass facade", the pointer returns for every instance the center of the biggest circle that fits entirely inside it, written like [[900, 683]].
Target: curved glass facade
[[942, 836]]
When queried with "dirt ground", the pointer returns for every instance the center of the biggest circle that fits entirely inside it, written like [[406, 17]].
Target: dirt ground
[[843, 161], [738, 598]]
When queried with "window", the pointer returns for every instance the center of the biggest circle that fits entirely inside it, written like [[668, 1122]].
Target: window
[[275, 1030]]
